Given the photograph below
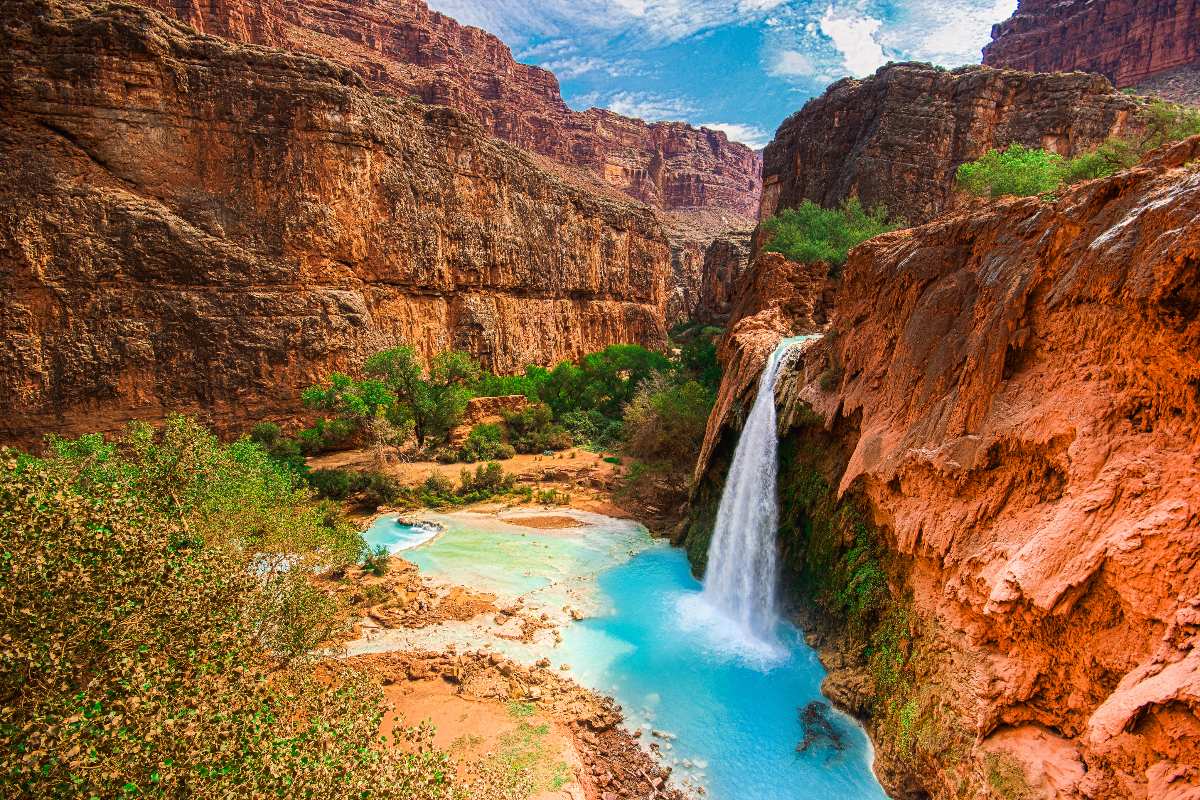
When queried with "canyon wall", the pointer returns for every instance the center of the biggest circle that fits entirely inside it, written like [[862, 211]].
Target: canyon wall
[[990, 488], [896, 138], [402, 48], [1134, 43], [194, 225]]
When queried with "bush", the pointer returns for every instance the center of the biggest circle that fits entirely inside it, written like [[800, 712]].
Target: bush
[[486, 481], [666, 422], [380, 489], [531, 430], [438, 490], [157, 642], [337, 484], [809, 234], [1015, 171], [553, 497], [283, 450], [375, 561], [327, 435], [486, 443]]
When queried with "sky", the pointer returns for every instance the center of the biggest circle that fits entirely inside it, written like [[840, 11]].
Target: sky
[[741, 66]]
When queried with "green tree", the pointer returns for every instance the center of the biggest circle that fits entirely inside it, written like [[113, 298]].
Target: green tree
[[434, 400], [810, 234], [1015, 171]]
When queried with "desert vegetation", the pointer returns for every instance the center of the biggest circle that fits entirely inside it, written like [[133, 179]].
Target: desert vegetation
[[1019, 171], [162, 632], [810, 233]]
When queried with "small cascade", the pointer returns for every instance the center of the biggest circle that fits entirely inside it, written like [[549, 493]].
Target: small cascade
[[742, 573]]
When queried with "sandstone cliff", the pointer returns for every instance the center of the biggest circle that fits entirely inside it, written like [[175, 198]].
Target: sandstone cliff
[[897, 137], [1141, 43], [402, 48], [190, 224], [990, 490]]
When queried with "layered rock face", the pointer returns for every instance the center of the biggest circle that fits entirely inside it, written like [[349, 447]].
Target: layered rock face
[[990, 492], [1131, 42], [895, 139], [726, 261], [402, 48], [194, 225]]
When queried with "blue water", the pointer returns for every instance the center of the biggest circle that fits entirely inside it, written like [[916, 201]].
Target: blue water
[[387, 531], [735, 715], [729, 709]]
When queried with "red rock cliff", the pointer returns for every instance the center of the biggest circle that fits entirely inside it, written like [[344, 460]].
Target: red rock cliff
[[896, 138], [190, 224], [1010, 400], [402, 48], [1131, 42]]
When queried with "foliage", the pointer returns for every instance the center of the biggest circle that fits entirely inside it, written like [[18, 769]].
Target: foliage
[[528, 384], [1024, 172], [532, 430], [603, 381], [344, 395], [336, 484], [380, 489], [326, 435], [158, 624], [486, 481], [283, 450], [666, 420], [1017, 171], [434, 400], [376, 561], [552, 497], [485, 443], [698, 358], [809, 234]]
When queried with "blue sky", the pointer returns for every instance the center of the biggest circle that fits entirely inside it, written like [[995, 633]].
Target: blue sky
[[738, 65]]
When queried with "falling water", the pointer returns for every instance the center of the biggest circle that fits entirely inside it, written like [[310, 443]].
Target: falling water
[[742, 574]]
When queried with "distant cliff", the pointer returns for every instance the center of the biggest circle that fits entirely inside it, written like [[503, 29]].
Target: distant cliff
[[402, 48], [1152, 44], [897, 137], [197, 225]]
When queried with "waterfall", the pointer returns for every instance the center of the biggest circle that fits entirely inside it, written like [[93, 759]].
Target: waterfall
[[742, 573]]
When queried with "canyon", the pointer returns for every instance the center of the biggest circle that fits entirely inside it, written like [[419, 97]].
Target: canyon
[[894, 139], [988, 486], [401, 48], [206, 227], [1147, 44]]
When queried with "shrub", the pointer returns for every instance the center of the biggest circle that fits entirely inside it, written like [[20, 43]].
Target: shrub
[[486, 443], [154, 643], [553, 497], [375, 561], [666, 421], [486, 481], [438, 490], [283, 450], [337, 484], [531, 430], [809, 234], [1017, 171], [326, 435], [380, 489]]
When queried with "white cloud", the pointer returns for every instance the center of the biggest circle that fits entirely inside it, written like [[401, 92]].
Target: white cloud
[[790, 64], [855, 38], [750, 135], [574, 66], [648, 106], [951, 34], [658, 21]]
